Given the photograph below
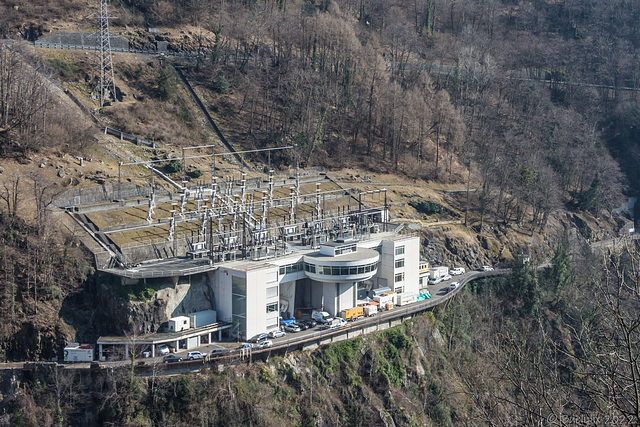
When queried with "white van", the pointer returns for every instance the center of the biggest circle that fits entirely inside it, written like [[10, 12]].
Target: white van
[[457, 271]]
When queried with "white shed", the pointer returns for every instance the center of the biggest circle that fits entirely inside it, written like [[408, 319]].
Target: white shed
[[179, 323]]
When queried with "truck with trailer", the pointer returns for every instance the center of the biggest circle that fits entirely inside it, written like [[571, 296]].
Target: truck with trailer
[[406, 298], [352, 313], [75, 352]]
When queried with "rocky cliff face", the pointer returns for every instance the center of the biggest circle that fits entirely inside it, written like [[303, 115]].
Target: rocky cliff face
[[456, 246], [109, 308]]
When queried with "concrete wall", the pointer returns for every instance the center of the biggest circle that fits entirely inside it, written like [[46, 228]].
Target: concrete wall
[[338, 296], [221, 280], [83, 39], [329, 297], [346, 296]]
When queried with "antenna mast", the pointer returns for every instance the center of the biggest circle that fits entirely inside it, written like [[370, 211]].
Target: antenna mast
[[106, 87]]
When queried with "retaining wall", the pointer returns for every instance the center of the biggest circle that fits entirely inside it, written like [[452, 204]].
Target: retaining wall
[[83, 39]]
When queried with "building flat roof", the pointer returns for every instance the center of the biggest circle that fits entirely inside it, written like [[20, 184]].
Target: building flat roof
[[173, 267], [360, 255], [166, 337]]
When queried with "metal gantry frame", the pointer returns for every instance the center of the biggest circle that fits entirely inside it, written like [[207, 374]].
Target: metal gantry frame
[[242, 224]]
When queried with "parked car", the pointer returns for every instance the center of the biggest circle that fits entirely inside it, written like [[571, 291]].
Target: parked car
[[193, 355], [146, 353], [259, 337], [163, 349], [264, 344], [486, 268], [303, 326], [446, 277], [310, 323], [435, 280], [172, 358], [292, 328], [245, 345], [453, 286], [457, 271], [277, 334]]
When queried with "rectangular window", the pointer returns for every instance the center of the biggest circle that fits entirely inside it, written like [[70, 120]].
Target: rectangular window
[[353, 270], [400, 263], [238, 285], [399, 290], [272, 292], [239, 303], [399, 277], [400, 250], [282, 269], [272, 276], [344, 271], [272, 307]]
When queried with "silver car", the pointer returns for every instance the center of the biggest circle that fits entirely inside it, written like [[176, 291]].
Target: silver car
[[277, 334]]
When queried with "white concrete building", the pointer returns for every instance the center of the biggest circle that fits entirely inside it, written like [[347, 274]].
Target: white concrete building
[[254, 295]]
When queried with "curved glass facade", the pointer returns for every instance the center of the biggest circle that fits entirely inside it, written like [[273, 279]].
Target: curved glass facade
[[328, 270]]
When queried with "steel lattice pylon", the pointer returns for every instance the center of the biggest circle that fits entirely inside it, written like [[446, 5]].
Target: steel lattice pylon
[[106, 86]]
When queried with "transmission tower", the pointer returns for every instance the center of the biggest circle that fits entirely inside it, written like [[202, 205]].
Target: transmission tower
[[106, 86]]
